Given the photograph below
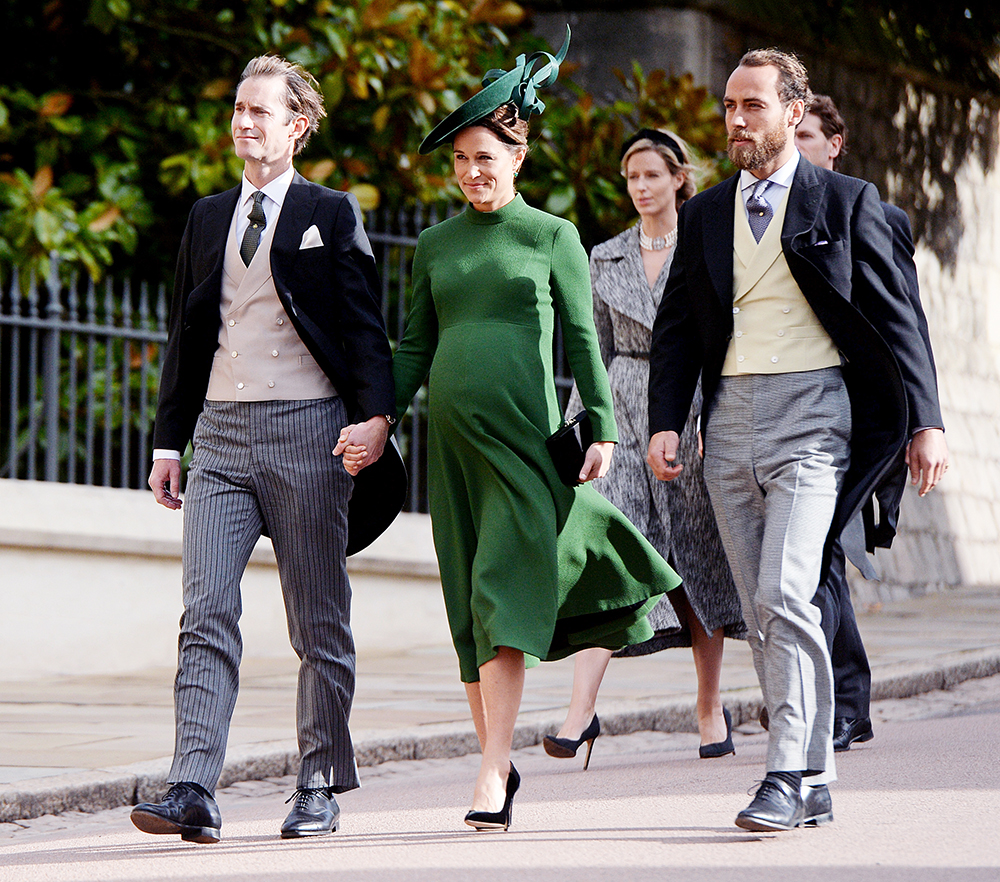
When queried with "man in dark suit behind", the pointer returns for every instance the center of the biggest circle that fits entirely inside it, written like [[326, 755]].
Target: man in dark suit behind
[[821, 138], [276, 342], [784, 295]]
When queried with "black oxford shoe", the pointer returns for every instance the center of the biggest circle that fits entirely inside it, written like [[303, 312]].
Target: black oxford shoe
[[315, 812], [847, 731], [818, 807], [776, 806], [188, 809]]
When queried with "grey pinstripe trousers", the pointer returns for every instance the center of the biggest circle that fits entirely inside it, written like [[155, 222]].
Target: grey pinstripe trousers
[[776, 450], [258, 465]]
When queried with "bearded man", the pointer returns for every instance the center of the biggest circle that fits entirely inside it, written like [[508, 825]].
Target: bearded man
[[783, 294]]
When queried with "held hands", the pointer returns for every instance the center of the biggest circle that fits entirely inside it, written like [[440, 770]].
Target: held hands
[[597, 461], [927, 457], [661, 455], [165, 482], [362, 443]]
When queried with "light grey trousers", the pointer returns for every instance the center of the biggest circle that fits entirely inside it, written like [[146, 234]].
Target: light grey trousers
[[266, 466], [776, 450]]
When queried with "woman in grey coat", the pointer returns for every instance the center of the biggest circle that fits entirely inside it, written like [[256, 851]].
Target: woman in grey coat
[[628, 275]]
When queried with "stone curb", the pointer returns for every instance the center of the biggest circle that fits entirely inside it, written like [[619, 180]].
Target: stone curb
[[140, 782]]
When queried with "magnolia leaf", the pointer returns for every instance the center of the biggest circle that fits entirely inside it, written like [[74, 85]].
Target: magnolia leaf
[[367, 195], [105, 219], [380, 119], [319, 170], [55, 104], [217, 89], [42, 182]]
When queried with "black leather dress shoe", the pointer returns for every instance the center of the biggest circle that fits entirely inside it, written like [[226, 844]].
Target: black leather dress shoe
[[776, 806], [818, 806], [315, 812], [847, 731], [188, 809]]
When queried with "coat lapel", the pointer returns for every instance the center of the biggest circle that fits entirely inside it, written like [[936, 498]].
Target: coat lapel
[[717, 232], [804, 200], [296, 215], [212, 233], [623, 275]]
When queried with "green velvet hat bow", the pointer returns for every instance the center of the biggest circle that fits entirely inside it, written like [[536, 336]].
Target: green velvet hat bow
[[518, 86]]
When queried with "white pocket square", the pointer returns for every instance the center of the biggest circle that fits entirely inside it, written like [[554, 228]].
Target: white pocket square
[[311, 238]]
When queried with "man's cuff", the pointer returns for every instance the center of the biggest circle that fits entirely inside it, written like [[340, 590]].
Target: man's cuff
[[161, 453], [924, 429]]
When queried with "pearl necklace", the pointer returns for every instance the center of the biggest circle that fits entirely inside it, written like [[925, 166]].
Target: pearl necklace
[[659, 243]]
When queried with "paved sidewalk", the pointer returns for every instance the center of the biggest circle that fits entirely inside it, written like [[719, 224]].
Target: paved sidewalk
[[87, 743]]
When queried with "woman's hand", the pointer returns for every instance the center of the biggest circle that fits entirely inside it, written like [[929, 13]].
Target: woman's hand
[[598, 461]]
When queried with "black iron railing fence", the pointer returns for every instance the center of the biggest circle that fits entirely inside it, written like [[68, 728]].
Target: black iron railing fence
[[80, 363]]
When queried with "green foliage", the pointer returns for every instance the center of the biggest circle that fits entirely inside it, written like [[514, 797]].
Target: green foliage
[[119, 116], [95, 204]]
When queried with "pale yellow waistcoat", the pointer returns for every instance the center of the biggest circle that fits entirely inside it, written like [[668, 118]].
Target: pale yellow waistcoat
[[260, 356], [775, 330]]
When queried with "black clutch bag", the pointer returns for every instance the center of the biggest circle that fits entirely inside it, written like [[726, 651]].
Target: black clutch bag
[[568, 447]]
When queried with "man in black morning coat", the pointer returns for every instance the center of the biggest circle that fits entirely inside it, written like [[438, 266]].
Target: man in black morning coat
[[784, 295], [276, 343]]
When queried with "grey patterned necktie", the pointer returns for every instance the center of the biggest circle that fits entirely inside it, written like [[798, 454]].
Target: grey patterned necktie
[[759, 210], [251, 238]]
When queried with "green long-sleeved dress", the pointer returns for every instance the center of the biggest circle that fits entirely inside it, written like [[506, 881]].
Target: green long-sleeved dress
[[525, 561]]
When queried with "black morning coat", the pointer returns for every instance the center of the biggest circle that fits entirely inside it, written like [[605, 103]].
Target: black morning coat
[[839, 249], [331, 295]]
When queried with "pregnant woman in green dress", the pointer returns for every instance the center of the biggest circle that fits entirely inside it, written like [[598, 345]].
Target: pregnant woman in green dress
[[531, 568]]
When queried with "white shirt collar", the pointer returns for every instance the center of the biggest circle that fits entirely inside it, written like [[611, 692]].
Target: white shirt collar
[[782, 177], [274, 190]]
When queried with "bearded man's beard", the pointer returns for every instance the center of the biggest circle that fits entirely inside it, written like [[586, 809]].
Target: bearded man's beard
[[770, 144]]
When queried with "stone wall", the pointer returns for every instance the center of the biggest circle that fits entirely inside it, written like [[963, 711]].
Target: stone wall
[[932, 151], [90, 580]]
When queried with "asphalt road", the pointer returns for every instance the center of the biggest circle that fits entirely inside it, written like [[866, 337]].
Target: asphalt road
[[920, 802]]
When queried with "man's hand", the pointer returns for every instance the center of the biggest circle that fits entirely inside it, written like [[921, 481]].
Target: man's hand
[[927, 457], [362, 443], [661, 455], [597, 461], [165, 482]]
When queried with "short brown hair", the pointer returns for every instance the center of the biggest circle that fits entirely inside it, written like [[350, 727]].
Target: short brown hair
[[793, 79], [830, 122], [302, 93]]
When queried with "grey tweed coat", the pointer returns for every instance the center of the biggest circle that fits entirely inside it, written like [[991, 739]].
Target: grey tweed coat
[[675, 517]]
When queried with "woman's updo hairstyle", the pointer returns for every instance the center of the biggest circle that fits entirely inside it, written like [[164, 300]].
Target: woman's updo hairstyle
[[507, 126]]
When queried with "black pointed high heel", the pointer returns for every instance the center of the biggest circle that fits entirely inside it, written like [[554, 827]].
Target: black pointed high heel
[[497, 820], [720, 748], [564, 748]]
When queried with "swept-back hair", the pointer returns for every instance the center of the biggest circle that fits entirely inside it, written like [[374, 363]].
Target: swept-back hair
[[793, 80], [302, 94]]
